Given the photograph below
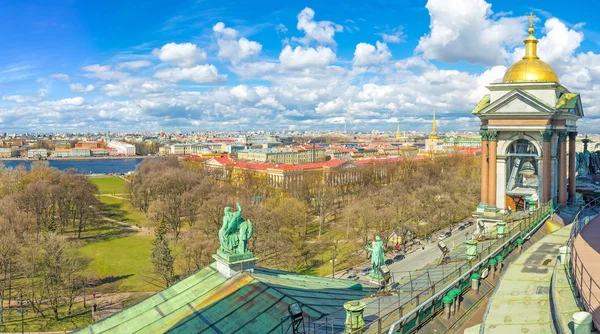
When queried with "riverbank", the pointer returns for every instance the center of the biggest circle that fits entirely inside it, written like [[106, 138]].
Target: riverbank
[[82, 158]]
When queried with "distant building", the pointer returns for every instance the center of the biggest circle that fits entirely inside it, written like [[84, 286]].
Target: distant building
[[7, 152], [123, 149], [37, 153], [90, 144], [81, 152], [62, 153], [283, 156]]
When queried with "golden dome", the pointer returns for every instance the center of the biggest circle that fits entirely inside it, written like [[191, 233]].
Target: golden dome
[[530, 68]]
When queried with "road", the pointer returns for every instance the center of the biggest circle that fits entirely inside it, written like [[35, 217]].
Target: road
[[419, 258]]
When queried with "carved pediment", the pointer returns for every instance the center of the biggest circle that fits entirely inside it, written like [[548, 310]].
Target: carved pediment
[[517, 102]]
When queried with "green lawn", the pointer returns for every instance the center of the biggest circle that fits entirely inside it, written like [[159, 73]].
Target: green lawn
[[122, 210], [109, 185], [34, 322], [126, 259]]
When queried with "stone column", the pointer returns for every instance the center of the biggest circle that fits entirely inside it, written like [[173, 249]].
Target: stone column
[[547, 160], [484, 168], [493, 145], [572, 182], [562, 168]]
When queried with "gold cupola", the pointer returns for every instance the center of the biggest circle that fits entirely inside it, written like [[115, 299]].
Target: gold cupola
[[530, 68]]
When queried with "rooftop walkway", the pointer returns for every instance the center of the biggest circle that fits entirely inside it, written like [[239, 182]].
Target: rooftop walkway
[[586, 266], [521, 302]]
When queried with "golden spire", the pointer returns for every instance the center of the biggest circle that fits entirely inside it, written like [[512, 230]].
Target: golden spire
[[398, 133], [531, 41], [530, 68], [434, 126]]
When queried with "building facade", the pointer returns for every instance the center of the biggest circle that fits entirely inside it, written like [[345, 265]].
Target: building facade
[[283, 156], [123, 149], [526, 122]]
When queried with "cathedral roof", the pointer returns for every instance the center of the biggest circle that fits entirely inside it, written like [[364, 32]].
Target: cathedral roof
[[530, 68], [249, 302]]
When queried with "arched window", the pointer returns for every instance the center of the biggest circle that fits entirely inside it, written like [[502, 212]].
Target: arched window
[[522, 168]]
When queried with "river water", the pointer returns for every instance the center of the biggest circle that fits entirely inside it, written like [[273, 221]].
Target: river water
[[92, 166]]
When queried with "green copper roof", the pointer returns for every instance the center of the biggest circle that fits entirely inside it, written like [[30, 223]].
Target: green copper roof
[[567, 101], [484, 102], [248, 302]]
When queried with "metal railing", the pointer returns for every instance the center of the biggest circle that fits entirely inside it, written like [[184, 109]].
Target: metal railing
[[428, 302], [587, 287]]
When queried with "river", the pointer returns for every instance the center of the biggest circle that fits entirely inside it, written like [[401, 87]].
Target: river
[[91, 166]]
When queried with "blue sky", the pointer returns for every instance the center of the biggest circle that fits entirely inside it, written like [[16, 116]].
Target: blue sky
[[276, 65]]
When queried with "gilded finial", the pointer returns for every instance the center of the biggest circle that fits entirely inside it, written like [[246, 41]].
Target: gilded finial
[[531, 17]]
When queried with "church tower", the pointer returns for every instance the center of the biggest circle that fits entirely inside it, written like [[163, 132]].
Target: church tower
[[525, 123]]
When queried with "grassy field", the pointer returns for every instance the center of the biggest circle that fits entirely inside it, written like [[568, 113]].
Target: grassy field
[[33, 322], [109, 185], [124, 262], [121, 210]]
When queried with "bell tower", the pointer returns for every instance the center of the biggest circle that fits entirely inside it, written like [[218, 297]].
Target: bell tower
[[525, 123]]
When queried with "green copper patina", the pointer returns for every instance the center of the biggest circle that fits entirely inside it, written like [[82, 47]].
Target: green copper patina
[[377, 258], [235, 232]]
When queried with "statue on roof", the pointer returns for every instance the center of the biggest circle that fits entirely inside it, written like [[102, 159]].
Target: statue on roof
[[377, 256], [235, 232]]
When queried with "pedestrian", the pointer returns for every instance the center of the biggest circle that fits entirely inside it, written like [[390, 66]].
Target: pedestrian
[[423, 248]]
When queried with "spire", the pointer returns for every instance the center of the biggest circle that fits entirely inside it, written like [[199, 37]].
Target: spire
[[531, 41], [433, 126], [398, 133]]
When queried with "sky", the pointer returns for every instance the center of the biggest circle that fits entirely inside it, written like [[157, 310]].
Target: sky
[[278, 65]]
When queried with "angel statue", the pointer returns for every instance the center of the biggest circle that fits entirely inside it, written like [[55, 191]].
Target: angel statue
[[235, 232], [377, 256]]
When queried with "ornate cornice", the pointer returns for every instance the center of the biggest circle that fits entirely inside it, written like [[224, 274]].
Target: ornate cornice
[[488, 135], [562, 136], [547, 135]]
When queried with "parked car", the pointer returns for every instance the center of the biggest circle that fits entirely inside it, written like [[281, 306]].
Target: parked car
[[448, 234], [442, 236], [394, 286], [352, 277], [398, 258], [388, 262], [366, 271], [461, 227]]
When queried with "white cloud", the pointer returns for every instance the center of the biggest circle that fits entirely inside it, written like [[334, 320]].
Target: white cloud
[[22, 98], [465, 31], [199, 73], [79, 88], [60, 76], [281, 28], [104, 72], [319, 31], [366, 54], [221, 30], [184, 54], [244, 93], [74, 101], [238, 50], [302, 57], [134, 65], [394, 36], [330, 107], [558, 45], [253, 70], [271, 103]]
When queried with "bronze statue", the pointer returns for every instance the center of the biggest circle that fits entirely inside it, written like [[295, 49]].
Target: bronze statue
[[235, 232]]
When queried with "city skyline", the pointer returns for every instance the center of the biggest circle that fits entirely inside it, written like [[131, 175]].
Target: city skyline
[[297, 66]]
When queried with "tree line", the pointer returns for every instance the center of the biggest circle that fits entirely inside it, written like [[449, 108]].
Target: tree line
[[39, 211]]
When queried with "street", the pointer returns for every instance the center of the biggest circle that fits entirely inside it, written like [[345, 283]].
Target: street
[[419, 258]]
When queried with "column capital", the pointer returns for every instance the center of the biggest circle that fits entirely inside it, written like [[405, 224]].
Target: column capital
[[572, 135], [483, 134], [492, 135], [562, 136], [547, 135]]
